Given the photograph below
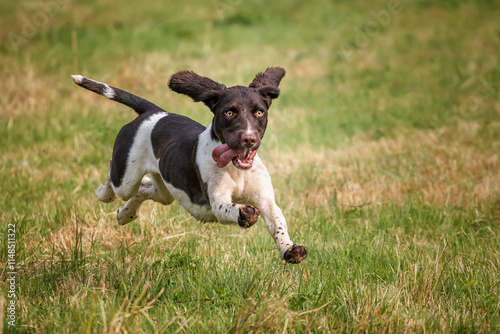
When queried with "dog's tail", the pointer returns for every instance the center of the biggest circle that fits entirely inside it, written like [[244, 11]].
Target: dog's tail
[[135, 102]]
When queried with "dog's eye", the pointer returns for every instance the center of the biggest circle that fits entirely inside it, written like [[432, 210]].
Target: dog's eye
[[229, 113], [259, 113]]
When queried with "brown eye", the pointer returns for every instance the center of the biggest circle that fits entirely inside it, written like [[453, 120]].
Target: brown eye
[[259, 113], [229, 113]]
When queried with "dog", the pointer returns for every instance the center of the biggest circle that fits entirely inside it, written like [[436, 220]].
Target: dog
[[210, 170]]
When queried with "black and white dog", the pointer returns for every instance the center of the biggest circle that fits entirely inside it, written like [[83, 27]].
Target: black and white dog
[[207, 170]]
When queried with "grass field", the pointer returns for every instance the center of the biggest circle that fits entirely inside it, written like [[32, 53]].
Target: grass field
[[383, 148]]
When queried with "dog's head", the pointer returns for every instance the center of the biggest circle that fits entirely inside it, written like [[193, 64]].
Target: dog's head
[[240, 113]]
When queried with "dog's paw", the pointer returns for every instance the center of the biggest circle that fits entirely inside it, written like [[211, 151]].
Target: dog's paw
[[296, 254], [124, 217], [105, 193], [248, 216]]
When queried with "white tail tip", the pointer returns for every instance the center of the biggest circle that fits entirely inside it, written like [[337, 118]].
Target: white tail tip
[[77, 78]]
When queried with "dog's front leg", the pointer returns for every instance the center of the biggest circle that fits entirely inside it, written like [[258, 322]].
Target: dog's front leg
[[261, 193], [277, 227], [228, 212]]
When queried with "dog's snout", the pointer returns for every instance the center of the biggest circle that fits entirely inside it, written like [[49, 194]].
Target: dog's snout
[[248, 140]]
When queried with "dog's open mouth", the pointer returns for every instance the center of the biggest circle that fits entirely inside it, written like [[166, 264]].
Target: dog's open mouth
[[223, 154]]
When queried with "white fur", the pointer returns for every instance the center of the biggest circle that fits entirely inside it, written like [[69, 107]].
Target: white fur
[[77, 78], [250, 130], [108, 92]]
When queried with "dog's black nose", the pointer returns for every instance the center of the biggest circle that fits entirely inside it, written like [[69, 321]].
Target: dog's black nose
[[248, 139]]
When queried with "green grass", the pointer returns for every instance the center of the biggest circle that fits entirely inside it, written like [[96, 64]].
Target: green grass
[[383, 154]]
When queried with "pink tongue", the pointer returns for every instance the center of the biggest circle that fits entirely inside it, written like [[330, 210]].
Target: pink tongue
[[223, 155]]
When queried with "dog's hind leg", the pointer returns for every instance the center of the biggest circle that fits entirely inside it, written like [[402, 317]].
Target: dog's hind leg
[[152, 189], [105, 192]]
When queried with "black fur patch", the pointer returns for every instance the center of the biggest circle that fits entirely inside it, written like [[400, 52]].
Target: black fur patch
[[174, 139]]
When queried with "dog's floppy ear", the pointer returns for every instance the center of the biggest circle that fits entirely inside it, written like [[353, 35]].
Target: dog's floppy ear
[[267, 83], [197, 87]]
